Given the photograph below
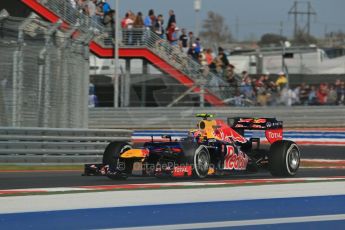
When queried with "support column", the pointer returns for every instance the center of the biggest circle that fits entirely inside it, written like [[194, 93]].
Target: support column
[[143, 83], [126, 84]]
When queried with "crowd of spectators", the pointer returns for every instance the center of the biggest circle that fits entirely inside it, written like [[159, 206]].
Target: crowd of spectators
[[246, 90], [264, 91]]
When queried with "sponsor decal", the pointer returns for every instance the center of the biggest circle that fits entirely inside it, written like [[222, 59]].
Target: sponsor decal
[[258, 126], [246, 120], [274, 135], [260, 121], [181, 171], [227, 134], [235, 161], [239, 126]]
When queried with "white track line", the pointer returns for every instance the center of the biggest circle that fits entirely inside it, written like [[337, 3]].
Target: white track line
[[165, 196], [238, 223]]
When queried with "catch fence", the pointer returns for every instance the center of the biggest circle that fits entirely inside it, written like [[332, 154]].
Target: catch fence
[[44, 74]]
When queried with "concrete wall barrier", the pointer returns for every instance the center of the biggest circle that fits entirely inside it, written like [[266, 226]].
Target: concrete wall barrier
[[46, 145], [184, 118]]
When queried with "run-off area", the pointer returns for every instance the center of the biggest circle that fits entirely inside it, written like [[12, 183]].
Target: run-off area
[[274, 206]]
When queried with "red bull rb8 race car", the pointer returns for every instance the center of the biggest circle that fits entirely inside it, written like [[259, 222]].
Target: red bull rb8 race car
[[214, 148]]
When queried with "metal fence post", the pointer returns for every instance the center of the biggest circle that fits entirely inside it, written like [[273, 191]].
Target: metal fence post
[[47, 77], [86, 80], [17, 82], [64, 78]]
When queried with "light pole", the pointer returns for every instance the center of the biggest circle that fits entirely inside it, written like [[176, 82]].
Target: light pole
[[285, 45], [197, 8], [116, 54]]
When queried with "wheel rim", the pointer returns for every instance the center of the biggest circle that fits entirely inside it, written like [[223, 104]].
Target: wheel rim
[[293, 159], [202, 163]]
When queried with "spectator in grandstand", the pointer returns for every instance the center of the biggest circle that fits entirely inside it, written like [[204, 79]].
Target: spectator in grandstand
[[132, 15], [216, 66], [106, 7], [172, 19], [93, 100], [138, 25], [109, 24], [247, 89], [91, 9], [88, 8], [259, 83], [321, 94], [202, 58], [296, 95], [303, 94], [230, 75], [150, 19], [209, 56], [191, 40], [183, 41], [99, 14], [262, 97], [224, 57], [173, 34], [127, 25], [332, 96], [312, 100], [158, 27], [198, 46], [281, 81], [192, 53], [340, 88]]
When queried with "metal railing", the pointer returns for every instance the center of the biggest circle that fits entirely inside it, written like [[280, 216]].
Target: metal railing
[[141, 37], [73, 15], [43, 145], [172, 54]]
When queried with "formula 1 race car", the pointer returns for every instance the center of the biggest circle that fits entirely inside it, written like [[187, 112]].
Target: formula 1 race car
[[214, 148]]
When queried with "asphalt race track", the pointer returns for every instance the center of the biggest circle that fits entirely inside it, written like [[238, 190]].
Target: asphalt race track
[[314, 199], [323, 152], [20, 180]]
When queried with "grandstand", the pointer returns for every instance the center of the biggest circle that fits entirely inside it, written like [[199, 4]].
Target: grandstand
[[56, 49]]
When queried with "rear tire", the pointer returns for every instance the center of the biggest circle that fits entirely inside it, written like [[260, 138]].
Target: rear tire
[[284, 158], [199, 158]]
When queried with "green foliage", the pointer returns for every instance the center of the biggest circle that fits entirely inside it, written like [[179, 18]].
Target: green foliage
[[214, 29], [271, 39], [303, 38]]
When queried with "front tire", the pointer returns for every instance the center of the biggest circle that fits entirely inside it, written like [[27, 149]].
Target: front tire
[[199, 158], [119, 168], [284, 158]]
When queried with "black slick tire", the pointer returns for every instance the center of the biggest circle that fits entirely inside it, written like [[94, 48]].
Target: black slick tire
[[284, 158]]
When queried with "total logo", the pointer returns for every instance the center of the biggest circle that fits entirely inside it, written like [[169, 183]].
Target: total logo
[[275, 135]]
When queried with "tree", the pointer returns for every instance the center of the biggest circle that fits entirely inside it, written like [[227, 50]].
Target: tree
[[303, 38], [214, 29], [272, 39]]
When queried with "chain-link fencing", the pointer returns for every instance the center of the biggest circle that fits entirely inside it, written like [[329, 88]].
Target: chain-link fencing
[[44, 75]]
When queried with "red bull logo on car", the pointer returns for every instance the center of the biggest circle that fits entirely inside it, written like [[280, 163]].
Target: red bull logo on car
[[235, 161]]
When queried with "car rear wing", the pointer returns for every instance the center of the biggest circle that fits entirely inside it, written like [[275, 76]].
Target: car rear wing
[[254, 123], [273, 128]]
